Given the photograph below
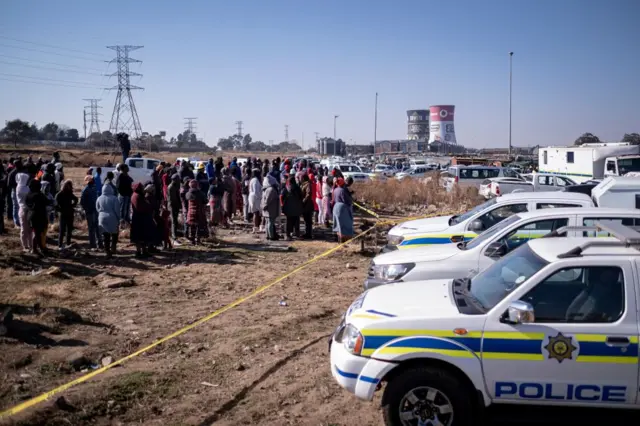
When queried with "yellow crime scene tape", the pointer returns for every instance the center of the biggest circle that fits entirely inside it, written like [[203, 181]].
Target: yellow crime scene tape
[[372, 213], [45, 396]]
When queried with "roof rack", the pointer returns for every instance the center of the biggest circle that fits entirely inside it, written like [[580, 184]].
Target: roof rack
[[627, 236]]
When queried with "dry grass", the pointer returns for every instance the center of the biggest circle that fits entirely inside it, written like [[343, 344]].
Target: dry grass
[[392, 194]]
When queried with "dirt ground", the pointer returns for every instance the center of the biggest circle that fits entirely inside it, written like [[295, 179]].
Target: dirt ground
[[259, 363]]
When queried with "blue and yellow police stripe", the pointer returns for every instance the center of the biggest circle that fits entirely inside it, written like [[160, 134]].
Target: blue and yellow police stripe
[[426, 240], [518, 346]]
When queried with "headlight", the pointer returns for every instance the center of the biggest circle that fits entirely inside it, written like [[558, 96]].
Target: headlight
[[352, 339], [391, 272], [394, 240]]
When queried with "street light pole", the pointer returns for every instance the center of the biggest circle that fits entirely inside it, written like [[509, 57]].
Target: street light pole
[[510, 92], [375, 123], [335, 141]]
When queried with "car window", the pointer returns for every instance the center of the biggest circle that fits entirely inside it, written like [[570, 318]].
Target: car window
[[540, 206], [545, 180], [494, 230], [531, 230], [591, 221], [561, 181], [510, 173], [152, 164], [137, 163], [501, 213], [593, 294]]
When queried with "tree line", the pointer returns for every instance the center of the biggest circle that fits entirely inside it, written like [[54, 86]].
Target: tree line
[[18, 131], [632, 138]]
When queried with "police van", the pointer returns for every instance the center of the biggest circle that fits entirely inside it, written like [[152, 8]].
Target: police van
[[459, 260], [464, 227], [554, 322]]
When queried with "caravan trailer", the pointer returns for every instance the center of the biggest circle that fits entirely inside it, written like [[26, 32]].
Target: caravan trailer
[[590, 161]]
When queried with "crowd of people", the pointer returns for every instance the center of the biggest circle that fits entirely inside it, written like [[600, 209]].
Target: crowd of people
[[177, 201]]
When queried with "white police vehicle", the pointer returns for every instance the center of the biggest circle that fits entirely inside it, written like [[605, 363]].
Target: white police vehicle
[[555, 322], [464, 227], [459, 260]]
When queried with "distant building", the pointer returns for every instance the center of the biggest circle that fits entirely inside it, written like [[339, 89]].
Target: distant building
[[359, 149], [407, 146], [327, 146], [418, 124]]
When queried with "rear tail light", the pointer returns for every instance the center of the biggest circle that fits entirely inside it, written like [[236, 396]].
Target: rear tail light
[[497, 189], [456, 179]]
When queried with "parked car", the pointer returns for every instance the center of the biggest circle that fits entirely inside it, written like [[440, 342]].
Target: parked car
[[496, 187], [140, 169], [385, 170], [460, 260], [447, 229]]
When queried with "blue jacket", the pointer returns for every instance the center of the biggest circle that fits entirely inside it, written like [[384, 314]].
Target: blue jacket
[[211, 170], [98, 181], [88, 198]]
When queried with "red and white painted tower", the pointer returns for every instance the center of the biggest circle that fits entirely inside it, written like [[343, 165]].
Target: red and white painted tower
[[441, 128]]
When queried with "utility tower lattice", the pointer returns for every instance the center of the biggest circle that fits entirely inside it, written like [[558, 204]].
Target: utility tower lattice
[[94, 127], [190, 125], [125, 116], [239, 124], [286, 133]]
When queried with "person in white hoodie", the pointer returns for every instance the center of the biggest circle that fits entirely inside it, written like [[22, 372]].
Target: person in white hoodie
[[22, 190]]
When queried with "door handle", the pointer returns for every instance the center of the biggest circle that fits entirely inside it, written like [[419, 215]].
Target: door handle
[[618, 341]]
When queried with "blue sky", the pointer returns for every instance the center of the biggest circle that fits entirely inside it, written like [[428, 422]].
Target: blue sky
[[276, 62]]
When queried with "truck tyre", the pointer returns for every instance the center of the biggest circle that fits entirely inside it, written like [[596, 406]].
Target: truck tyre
[[427, 395]]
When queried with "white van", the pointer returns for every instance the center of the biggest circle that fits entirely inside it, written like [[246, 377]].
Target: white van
[[448, 229], [451, 261], [474, 175]]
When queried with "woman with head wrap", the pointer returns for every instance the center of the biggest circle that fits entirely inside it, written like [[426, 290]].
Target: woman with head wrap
[[88, 198], [197, 216], [37, 204], [291, 201], [216, 192], [270, 206], [142, 226], [254, 199], [229, 198], [342, 211]]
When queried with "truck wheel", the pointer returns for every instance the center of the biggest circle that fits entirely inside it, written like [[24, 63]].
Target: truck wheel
[[426, 396]]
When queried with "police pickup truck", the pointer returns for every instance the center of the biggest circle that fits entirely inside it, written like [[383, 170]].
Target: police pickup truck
[[464, 227], [554, 322], [467, 258]]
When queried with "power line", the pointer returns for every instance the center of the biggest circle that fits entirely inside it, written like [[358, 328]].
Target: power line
[[49, 68], [44, 83], [50, 79], [49, 45], [50, 63], [49, 53]]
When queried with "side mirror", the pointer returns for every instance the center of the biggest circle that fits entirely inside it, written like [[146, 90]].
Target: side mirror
[[520, 312], [496, 249], [476, 226]]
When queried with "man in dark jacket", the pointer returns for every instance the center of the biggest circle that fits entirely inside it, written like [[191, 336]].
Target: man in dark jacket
[[3, 196], [124, 187], [174, 204], [66, 203], [125, 146]]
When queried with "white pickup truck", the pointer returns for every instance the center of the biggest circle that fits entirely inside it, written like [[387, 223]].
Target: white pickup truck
[[555, 322], [140, 169], [535, 182], [470, 257]]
